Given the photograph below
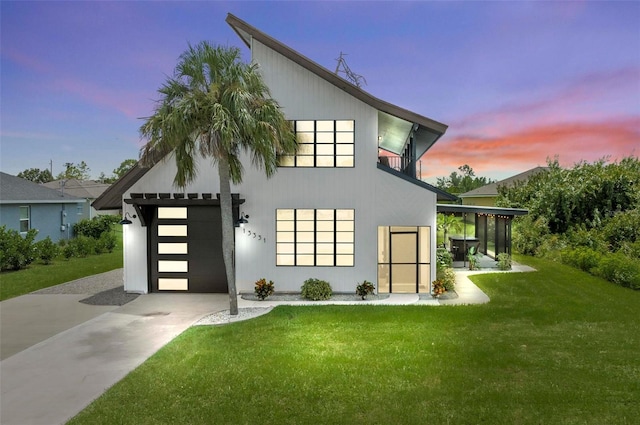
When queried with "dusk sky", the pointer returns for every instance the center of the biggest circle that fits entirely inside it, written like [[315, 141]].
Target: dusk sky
[[516, 82]]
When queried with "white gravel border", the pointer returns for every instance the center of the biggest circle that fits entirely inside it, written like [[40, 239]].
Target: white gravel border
[[223, 317]]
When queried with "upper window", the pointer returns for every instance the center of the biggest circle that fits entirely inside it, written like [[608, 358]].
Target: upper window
[[320, 237], [25, 219], [326, 143]]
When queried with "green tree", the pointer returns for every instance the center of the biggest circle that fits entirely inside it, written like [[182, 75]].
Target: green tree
[[448, 222], [72, 171], [36, 175], [125, 166], [463, 182], [217, 107], [586, 195]]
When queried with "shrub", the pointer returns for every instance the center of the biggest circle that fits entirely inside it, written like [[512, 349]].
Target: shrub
[[529, 234], [46, 250], [263, 288], [83, 246], [550, 247], [448, 279], [95, 227], [619, 269], [106, 243], [443, 258], [437, 288], [622, 227], [68, 249], [365, 288], [16, 251], [504, 261], [316, 289], [581, 257]]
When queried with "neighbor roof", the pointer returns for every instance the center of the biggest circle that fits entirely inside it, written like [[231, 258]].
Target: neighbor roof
[[425, 130], [491, 189], [15, 190], [476, 209], [88, 189]]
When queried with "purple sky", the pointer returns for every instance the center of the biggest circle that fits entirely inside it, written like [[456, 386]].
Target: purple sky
[[516, 82]]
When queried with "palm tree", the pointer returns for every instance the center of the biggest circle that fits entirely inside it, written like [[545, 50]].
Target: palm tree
[[217, 107], [447, 222]]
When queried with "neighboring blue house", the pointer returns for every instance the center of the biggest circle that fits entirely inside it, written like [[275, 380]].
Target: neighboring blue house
[[89, 190], [25, 205]]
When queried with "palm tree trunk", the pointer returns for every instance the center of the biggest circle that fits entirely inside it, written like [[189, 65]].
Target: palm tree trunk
[[228, 242]]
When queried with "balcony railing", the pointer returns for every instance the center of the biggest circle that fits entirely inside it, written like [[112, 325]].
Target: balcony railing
[[403, 164]]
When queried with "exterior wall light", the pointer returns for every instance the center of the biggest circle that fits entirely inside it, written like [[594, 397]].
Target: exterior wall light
[[126, 220], [242, 220]]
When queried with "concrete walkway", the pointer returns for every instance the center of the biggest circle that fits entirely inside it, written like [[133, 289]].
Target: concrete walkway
[[58, 355], [50, 382]]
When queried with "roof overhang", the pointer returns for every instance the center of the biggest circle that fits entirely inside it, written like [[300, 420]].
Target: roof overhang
[[477, 209], [48, 201]]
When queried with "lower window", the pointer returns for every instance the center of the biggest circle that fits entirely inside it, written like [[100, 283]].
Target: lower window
[[315, 237], [25, 219]]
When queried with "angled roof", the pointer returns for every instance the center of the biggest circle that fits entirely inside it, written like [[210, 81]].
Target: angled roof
[[425, 131], [111, 199], [491, 189], [88, 189], [15, 190]]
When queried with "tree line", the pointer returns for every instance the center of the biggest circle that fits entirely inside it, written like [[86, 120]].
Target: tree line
[[80, 171], [587, 216]]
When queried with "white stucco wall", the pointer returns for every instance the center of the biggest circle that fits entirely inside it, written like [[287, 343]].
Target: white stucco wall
[[378, 198]]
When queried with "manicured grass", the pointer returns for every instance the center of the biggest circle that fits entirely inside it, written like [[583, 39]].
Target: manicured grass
[[38, 276], [556, 346]]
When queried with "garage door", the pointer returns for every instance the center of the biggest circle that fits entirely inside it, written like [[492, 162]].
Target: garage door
[[186, 250]]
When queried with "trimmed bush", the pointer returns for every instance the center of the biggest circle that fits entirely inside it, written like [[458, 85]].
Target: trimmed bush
[[263, 288], [46, 250], [316, 290]]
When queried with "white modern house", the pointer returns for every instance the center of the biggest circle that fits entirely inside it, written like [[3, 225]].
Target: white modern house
[[347, 208]]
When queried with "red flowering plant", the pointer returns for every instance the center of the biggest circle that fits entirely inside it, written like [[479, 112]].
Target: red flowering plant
[[437, 288], [263, 288]]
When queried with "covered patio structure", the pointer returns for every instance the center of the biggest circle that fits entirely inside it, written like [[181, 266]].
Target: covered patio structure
[[491, 234]]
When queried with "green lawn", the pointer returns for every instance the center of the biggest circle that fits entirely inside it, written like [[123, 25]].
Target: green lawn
[[556, 346], [38, 276]]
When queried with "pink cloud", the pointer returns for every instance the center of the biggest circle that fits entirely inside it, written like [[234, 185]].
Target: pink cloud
[[530, 147], [127, 103], [26, 61], [589, 97]]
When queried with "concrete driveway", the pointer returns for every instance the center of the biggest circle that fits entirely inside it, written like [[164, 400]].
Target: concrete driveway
[[58, 355]]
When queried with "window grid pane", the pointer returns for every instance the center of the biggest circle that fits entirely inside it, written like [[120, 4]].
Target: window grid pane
[[323, 144], [312, 238]]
